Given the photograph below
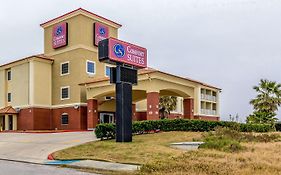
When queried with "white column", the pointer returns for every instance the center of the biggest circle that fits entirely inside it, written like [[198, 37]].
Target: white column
[[6, 122], [15, 122]]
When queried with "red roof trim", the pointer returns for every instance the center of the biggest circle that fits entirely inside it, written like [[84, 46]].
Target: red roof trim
[[84, 11], [36, 56]]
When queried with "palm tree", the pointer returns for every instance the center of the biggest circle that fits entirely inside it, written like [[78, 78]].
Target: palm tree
[[267, 101], [166, 105]]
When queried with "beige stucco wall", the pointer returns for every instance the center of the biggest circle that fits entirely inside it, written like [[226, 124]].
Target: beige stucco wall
[[80, 49], [19, 85], [80, 34], [42, 83], [2, 88], [77, 74]]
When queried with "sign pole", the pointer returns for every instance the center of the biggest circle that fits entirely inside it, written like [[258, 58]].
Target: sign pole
[[123, 108], [128, 58]]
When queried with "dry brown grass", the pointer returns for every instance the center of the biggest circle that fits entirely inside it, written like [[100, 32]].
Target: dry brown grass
[[258, 159], [153, 152]]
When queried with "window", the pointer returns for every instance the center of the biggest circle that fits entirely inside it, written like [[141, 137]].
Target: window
[[64, 68], [90, 67], [64, 119], [107, 71], [9, 75], [9, 97], [65, 93]]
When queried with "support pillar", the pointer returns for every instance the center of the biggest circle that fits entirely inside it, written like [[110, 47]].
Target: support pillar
[[15, 122], [188, 108], [92, 113], [152, 106], [6, 122]]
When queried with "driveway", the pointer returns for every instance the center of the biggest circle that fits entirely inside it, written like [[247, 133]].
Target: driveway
[[35, 148]]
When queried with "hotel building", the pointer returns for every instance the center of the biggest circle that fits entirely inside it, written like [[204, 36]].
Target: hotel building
[[67, 88]]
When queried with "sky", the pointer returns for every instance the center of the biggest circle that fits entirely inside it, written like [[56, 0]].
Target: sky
[[230, 44]]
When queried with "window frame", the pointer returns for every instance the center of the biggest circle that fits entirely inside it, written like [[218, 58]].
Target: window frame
[[9, 97], [105, 70], [64, 115], [91, 73], [9, 75], [63, 74], [65, 87]]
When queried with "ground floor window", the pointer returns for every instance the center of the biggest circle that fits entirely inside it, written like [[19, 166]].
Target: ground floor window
[[64, 119]]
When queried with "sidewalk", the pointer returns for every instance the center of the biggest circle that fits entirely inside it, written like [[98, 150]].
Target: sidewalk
[[95, 165]]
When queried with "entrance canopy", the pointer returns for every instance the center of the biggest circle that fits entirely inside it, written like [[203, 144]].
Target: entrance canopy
[[8, 110]]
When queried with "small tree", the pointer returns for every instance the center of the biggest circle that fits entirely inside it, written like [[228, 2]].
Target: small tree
[[262, 117], [166, 105], [266, 102]]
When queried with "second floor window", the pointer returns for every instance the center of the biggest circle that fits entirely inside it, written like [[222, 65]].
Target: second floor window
[[65, 68], [65, 93], [91, 67]]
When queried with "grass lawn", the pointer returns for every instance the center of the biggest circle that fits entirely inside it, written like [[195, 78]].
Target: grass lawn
[[143, 149], [153, 152]]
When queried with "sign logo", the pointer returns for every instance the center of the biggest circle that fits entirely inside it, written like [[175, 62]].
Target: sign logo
[[119, 50], [59, 31], [102, 31]]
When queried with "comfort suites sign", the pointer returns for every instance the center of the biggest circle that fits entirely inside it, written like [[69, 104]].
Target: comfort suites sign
[[101, 32], [114, 50], [60, 35]]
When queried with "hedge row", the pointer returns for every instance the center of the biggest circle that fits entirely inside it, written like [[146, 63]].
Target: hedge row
[[140, 127]]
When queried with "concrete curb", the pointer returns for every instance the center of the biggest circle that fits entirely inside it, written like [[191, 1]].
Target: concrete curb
[[44, 132]]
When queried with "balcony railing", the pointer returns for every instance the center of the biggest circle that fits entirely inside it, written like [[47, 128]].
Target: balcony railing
[[209, 97], [208, 112]]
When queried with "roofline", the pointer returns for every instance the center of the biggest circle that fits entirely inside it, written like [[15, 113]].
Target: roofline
[[83, 11], [26, 58], [152, 71], [195, 81]]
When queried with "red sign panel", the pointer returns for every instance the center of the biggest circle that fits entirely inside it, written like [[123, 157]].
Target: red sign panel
[[101, 32], [123, 52], [60, 35]]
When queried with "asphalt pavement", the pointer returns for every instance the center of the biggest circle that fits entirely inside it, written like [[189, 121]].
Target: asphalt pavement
[[35, 148]]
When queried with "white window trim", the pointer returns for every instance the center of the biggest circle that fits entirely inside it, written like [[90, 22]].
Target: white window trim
[[95, 70], [61, 74], [105, 69], [61, 119], [64, 87]]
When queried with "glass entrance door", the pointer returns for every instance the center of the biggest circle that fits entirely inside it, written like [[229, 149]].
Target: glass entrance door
[[106, 118]]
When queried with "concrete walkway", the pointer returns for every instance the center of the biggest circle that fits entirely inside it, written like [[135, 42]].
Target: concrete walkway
[[96, 165], [35, 148]]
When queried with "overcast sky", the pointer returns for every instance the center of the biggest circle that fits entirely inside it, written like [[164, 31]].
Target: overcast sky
[[230, 44]]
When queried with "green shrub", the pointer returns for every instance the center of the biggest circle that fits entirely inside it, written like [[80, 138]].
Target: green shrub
[[107, 131], [227, 139], [222, 144]]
